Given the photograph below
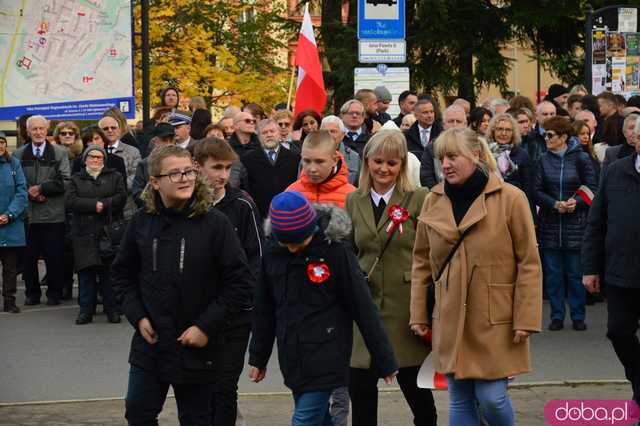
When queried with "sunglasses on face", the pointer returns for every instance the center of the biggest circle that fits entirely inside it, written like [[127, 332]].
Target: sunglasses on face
[[550, 135], [284, 124], [70, 133], [107, 128], [249, 121]]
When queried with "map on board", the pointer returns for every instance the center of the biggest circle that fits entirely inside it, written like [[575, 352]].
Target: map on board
[[65, 59]]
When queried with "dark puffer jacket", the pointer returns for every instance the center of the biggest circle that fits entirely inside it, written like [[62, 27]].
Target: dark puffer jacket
[[179, 269], [313, 322], [557, 179]]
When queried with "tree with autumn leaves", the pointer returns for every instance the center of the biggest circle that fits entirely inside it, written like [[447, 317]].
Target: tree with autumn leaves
[[226, 51]]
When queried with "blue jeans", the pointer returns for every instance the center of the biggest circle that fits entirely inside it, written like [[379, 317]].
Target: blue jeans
[[88, 285], [559, 264], [312, 409], [146, 395], [490, 395]]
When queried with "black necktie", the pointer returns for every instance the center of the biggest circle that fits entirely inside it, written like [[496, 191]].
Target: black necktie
[[379, 210], [352, 135]]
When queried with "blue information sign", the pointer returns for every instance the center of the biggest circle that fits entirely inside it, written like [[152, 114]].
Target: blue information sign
[[381, 19]]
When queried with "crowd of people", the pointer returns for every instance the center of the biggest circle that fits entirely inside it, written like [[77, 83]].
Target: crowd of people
[[360, 243]]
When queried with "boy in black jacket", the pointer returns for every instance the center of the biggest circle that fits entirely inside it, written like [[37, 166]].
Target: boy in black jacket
[[214, 158], [182, 278], [310, 291]]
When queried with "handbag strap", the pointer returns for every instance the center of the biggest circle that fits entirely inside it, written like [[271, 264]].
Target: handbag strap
[[405, 202], [452, 253]]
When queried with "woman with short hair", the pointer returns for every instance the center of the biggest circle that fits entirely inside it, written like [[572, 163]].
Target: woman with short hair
[[503, 137], [96, 197], [475, 246], [561, 176], [384, 210]]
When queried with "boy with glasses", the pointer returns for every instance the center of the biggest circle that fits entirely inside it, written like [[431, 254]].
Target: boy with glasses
[[182, 277]]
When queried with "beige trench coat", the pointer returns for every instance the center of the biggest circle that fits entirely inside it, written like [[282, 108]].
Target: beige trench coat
[[492, 286], [390, 280]]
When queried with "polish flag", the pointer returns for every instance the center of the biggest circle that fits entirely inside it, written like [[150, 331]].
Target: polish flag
[[586, 194], [310, 88], [429, 378]]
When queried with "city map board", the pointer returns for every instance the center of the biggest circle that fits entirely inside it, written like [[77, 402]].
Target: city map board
[[65, 59]]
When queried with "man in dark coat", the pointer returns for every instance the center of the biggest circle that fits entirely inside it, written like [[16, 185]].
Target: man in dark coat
[[406, 101], [215, 158], [617, 152], [181, 277], [430, 168], [268, 170], [610, 250], [47, 171], [426, 128]]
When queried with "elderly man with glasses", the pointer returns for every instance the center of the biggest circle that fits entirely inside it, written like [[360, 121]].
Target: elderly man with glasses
[[130, 154], [244, 138]]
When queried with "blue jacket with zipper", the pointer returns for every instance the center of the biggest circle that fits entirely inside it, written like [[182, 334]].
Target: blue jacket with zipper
[[557, 178]]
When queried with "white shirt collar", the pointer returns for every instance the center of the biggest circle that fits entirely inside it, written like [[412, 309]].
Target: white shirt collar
[[115, 145], [386, 196], [638, 163], [428, 129], [185, 144]]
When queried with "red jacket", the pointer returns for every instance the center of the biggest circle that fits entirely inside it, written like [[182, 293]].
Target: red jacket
[[333, 191]]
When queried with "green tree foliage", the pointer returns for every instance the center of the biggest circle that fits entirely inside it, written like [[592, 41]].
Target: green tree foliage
[[225, 51]]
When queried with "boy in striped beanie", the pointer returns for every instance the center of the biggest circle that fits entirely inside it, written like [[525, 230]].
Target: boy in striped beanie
[[311, 290]]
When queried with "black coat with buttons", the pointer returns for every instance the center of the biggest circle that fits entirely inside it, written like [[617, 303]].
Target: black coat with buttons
[[313, 321], [179, 269]]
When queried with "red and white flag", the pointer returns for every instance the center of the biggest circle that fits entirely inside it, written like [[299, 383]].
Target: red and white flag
[[310, 92], [429, 378], [586, 194]]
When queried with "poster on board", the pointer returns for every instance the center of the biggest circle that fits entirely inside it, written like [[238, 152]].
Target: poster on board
[[627, 19], [618, 74], [633, 41], [599, 78], [631, 78], [616, 45], [599, 55]]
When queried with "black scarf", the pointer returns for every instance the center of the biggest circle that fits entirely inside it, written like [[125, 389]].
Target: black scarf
[[462, 196]]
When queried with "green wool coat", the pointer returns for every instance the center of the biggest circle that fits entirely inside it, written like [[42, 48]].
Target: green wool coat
[[390, 280]]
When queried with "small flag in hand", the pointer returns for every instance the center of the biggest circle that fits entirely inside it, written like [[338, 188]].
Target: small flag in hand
[[586, 194]]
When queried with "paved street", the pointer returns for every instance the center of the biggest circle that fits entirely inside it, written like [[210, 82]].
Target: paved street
[[44, 356], [275, 410]]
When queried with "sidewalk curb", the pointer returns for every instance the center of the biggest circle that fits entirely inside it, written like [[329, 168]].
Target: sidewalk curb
[[523, 385]]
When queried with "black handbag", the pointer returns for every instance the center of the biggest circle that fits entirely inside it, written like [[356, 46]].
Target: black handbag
[[431, 289], [110, 237]]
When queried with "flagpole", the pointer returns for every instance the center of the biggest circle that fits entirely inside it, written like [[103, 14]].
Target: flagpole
[[293, 72]]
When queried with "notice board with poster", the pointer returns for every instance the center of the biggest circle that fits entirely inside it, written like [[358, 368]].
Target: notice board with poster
[[613, 51]]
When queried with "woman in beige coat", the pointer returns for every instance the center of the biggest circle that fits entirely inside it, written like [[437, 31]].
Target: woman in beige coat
[[488, 298], [385, 187]]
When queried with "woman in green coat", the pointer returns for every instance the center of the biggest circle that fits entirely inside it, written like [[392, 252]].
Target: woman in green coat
[[384, 212]]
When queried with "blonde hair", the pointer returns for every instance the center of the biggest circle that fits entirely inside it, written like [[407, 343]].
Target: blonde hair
[[319, 138], [389, 144], [516, 139], [465, 142]]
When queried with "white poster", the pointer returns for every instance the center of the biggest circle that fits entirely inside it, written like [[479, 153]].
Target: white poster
[[395, 79], [627, 20], [599, 78], [618, 74]]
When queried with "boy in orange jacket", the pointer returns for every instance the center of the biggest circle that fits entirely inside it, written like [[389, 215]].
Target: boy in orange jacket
[[324, 178]]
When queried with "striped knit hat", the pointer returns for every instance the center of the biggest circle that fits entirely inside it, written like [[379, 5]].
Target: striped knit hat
[[292, 217]]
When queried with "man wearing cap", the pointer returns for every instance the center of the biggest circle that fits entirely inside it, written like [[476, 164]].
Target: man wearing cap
[[46, 168], [558, 96], [383, 100], [181, 122], [163, 134]]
